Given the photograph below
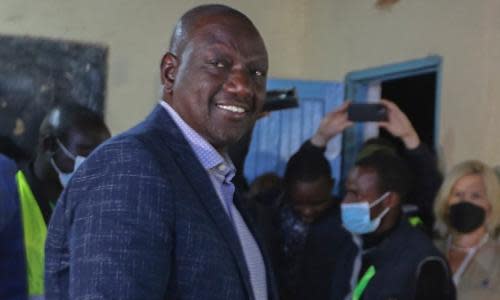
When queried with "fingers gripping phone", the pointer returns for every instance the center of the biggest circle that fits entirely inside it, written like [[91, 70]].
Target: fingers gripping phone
[[367, 112]]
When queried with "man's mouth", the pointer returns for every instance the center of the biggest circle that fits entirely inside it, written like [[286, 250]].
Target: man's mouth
[[232, 108]]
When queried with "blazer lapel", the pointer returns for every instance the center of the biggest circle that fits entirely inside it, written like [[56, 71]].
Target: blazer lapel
[[170, 136], [252, 226]]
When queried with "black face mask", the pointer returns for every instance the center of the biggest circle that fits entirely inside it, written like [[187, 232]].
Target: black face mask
[[466, 217]]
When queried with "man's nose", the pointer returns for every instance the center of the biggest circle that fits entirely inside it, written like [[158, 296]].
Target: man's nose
[[239, 82], [308, 212], [348, 199]]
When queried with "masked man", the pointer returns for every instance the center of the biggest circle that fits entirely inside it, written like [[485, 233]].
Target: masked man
[[29, 192], [388, 259]]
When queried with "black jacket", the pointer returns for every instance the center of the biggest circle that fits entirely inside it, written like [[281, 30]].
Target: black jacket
[[408, 266]]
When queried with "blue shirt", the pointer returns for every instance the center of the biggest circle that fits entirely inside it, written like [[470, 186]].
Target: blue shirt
[[219, 168], [13, 279]]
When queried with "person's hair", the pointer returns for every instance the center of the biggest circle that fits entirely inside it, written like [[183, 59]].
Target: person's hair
[[306, 166], [186, 23], [496, 169], [492, 186], [69, 115], [374, 145], [265, 188], [392, 171]]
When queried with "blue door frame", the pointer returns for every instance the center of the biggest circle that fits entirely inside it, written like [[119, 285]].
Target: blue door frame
[[356, 88], [278, 136]]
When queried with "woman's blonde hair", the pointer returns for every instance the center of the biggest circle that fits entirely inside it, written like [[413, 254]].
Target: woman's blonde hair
[[491, 183]]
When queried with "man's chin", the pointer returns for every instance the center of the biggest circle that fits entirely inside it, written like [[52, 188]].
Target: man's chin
[[230, 136], [222, 141]]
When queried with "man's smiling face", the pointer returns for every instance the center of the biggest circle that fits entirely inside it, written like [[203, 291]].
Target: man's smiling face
[[219, 82]]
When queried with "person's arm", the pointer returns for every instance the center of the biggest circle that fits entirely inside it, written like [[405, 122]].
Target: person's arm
[[399, 125], [332, 124], [420, 160], [121, 236], [428, 179], [433, 281], [13, 277]]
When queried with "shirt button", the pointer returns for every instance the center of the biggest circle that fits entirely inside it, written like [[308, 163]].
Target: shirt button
[[221, 167]]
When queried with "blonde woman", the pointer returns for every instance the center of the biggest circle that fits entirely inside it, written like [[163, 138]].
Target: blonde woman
[[467, 212]]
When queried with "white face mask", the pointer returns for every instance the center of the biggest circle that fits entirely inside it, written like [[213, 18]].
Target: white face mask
[[65, 177], [356, 216]]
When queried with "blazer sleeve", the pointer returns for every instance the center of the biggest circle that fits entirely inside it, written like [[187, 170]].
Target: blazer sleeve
[[120, 239]]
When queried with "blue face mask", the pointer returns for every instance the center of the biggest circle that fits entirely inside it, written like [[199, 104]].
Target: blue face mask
[[356, 216], [65, 177]]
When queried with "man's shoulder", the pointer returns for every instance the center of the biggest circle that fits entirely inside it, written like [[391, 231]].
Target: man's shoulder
[[408, 250], [413, 242], [9, 201], [7, 166], [8, 170], [157, 130], [120, 171], [138, 141]]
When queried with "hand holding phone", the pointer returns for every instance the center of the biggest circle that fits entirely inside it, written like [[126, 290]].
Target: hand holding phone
[[367, 112], [399, 125], [333, 123]]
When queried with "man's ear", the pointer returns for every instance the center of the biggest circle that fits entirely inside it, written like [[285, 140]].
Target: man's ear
[[393, 199], [47, 144], [169, 65], [331, 182]]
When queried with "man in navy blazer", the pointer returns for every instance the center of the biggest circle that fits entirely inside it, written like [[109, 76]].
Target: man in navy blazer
[[152, 214]]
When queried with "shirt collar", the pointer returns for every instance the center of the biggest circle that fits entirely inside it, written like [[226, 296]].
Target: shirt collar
[[206, 153]]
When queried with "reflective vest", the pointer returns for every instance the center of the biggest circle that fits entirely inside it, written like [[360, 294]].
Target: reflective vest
[[363, 282], [35, 232]]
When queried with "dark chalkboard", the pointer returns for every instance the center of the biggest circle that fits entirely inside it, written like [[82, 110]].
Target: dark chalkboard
[[38, 73]]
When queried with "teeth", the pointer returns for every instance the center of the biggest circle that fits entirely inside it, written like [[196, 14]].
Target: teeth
[[232, 108]]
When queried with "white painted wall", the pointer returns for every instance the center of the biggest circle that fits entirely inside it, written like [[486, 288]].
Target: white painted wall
[[354, 35], [137, 33], [315, 39]]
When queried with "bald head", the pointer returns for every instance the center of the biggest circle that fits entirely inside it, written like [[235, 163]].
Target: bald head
[[69, 115], [68, 128], [194, 17]]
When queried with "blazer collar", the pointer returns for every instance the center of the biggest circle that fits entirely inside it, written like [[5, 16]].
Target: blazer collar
[[170, 136]]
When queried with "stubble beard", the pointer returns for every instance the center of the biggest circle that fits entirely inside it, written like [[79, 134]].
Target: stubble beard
[[224, 137]]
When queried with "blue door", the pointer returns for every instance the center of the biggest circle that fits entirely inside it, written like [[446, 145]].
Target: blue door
[[278, 136]]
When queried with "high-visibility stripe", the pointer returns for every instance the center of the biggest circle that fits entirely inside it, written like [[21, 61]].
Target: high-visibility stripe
[[35, 232], [415, 221], [361, 286]]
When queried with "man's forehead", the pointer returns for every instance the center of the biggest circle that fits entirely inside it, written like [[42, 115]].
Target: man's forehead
[[224, 24], [363, 177], [223, 19], [216, 37], [209, 27]]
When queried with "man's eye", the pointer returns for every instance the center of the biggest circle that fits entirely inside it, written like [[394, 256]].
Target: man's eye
[[258, 73], [218, 63]]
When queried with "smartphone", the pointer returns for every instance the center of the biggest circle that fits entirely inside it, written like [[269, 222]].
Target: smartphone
[[367, 112], [280, 99]]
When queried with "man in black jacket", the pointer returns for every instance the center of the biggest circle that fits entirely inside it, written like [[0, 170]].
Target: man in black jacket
[[389, 258]]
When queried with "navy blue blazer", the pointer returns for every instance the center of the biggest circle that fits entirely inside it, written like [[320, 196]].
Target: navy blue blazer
[[140, 219]]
